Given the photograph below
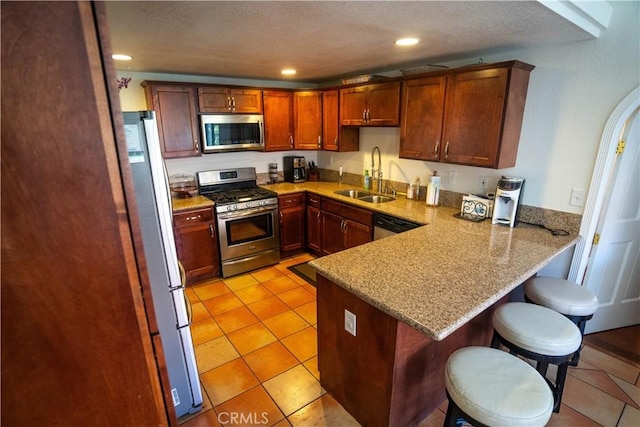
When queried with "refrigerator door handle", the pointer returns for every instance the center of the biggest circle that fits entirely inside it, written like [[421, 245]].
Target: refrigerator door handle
[[183, 275], [187, 305]]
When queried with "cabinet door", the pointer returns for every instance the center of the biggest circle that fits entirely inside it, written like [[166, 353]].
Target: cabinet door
[[332, 233], [307, 116], [314, 229], [353, 106], [334, 136], [356, 234], [175, 107], [422, 117], [197, 244], [292, 224], [214, 100], [474, 114], [246, 101], [278, 120], [383, 104]]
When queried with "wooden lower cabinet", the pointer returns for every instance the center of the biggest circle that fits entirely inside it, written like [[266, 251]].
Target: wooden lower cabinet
[[197, 243], [389, 374], [314, 224], [292, 223], [344, 226]]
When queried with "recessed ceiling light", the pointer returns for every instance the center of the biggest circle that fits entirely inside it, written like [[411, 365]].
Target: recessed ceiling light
[[119, 57], [288, 72], [410, 41]]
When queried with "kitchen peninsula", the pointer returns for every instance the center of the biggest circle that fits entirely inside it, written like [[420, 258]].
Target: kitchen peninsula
[[416, 297]]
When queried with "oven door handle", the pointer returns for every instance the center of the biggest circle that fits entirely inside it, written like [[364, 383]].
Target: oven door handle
[[245, 213]]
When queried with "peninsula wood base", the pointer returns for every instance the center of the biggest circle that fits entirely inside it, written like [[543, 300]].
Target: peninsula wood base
[[389, 374]]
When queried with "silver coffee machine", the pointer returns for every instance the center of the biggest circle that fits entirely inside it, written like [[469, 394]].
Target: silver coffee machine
[[507, 201]]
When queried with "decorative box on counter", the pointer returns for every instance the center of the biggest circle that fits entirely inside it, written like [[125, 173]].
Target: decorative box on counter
[[476, 205]]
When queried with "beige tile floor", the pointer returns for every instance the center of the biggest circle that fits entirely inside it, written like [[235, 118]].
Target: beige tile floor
[[255, 340]]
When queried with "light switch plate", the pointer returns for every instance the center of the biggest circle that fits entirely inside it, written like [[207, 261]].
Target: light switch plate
[[577, 197], [350, 322]]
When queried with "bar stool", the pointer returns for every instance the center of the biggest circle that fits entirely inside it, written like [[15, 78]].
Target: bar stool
[[540, 334], [573, 301], [489, 387]]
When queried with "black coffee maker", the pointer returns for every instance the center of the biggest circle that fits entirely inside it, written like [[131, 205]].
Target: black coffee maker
[[294, 169]]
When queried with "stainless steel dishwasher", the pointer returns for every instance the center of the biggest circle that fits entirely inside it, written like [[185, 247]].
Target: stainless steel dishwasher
[[386, 225]]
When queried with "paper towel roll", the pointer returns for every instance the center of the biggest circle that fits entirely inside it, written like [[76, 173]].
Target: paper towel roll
[[433, 191]]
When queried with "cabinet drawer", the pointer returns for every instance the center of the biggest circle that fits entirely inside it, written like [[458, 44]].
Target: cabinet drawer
[[191, 217], [314, 200], [291, 200], [353, 213]]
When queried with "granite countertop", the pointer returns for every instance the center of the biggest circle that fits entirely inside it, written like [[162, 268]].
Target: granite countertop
[[195, 202], [437, 277]]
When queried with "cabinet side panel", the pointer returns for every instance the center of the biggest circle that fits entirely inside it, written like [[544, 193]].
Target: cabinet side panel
[[355, 370], [514, 112], [76, 345]]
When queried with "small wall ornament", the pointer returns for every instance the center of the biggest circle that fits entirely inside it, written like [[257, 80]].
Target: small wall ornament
[[123, 82]]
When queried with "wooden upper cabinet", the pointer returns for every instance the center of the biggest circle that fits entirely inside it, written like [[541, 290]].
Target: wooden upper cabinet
[[175, 107], [370, 105], [469, 117], [334, 136], [215, 99], [307, 120], [483, 115], [278, 120], [422, 118]]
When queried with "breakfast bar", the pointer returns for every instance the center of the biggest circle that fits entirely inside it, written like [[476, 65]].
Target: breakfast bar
[[415, 298]]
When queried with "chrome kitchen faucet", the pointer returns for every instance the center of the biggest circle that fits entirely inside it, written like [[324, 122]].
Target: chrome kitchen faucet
[[379, 170]]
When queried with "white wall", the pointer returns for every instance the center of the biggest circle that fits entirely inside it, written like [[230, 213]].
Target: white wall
[[572, 91]]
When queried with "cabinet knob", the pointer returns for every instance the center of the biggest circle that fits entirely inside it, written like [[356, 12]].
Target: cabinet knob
[[229, 103], [437, 147], [291, 141], [319, 141], [213, 233], [446, 150]]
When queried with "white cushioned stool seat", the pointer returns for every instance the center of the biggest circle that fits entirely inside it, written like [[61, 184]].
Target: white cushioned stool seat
[[537, 329], [561, 295], [497, 389]]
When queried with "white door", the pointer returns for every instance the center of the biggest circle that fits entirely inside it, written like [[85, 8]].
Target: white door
[[613, 271]]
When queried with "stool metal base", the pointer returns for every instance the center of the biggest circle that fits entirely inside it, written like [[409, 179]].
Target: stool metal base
[[542, 364], [454, 413]]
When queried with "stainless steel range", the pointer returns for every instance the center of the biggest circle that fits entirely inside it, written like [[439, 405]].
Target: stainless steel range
[[247, 218]]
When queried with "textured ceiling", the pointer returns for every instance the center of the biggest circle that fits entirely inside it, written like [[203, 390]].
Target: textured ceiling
[[323, 40]]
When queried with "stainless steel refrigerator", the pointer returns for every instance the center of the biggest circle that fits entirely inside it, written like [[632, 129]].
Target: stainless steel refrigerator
[[171, 307]]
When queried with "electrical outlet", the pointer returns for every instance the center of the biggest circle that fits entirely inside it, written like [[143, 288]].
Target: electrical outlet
[[452, 177], [350, 322], [175, 396], [484, 184], [577, 197]]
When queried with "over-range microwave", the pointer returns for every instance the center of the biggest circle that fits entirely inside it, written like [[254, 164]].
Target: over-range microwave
[[231, 132]]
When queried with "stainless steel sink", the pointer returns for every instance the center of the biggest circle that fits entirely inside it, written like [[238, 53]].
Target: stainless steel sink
[[376, 199], [354, 194]]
